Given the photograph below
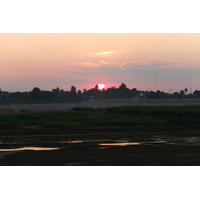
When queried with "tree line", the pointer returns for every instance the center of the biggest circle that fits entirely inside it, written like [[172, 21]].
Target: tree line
[[58, 95]]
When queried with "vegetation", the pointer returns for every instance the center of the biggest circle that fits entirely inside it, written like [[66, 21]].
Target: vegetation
[[115, 119], [58, 95]]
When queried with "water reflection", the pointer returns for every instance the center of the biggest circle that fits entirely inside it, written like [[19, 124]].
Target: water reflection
[[30, 148], [107, 143], [121, 143], [155, 140], [76, 141], [81, 141], [176, 140]]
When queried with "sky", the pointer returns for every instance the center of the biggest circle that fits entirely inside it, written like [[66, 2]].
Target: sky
[[146, 61]]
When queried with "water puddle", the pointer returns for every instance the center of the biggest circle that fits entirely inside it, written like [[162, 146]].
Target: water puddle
[[154, 140], [120, 144], [75, 141], [176, 140], [157, 140], [82, 141], [30, 148]]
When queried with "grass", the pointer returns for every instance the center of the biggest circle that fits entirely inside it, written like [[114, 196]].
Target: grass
[[116, 118]]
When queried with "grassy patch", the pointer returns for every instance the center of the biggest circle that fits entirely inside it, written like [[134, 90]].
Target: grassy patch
[[128, 117]]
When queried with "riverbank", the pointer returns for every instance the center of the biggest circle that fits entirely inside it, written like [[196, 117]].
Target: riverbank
[[127, 136], [98, 104]]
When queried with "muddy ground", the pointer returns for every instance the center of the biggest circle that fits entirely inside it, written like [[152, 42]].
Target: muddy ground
[[135, 149]]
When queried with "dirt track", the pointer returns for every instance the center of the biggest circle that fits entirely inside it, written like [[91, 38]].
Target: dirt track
[[99, 104]]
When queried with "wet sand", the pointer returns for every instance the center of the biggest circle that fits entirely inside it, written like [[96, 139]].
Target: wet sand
[[164, 151]]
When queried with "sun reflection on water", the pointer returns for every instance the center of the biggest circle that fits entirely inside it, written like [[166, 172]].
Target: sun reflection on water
[[121, 144], [30, 148]]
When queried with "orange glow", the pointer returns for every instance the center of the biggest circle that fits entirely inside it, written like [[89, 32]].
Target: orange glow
[[120, 144], [30, 148], [48, 60]]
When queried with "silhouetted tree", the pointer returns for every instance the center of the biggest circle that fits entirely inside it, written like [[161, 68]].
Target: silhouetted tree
[[181, 94], [56, 92], [123, 91], [96, 87], [122, 87], [185, 90], [134, 92], [151, 95], [61, 94], [73, 92], [196, 93], [47, 95], [36, 93], [79, 94]]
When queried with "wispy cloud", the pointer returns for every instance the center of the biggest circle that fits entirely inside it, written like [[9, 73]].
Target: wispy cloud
[[154, 64], [86, 64], [71, 70], [103, 53], [125, 68]]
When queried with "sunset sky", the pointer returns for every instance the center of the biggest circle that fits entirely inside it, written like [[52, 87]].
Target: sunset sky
[[154, 61]]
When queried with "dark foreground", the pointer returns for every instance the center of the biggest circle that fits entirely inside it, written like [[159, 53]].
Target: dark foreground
[[114, 136], [139, 149]]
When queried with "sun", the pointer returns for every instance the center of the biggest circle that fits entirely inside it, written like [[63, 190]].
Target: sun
[[101, 86]]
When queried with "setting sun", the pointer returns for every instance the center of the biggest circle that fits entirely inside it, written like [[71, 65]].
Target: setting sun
[[101, 86], [146, 61]]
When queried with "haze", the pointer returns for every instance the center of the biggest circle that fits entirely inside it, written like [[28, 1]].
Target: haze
[[146, 61]]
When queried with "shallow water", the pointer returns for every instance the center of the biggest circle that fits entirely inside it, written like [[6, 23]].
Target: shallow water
[[155, 140], [176, 140], [30, 148], [121, 143]]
